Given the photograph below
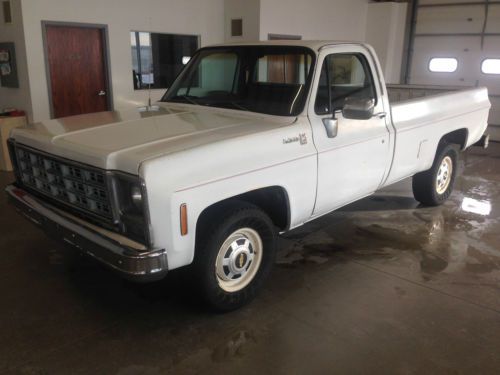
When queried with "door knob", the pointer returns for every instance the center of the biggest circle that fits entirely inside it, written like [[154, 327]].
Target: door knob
[[101, 93]]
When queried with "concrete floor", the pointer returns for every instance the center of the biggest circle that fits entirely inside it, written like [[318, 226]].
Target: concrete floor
[[383, 286]]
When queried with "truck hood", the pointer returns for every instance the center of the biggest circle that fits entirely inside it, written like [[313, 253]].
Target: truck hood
[[122, 140]]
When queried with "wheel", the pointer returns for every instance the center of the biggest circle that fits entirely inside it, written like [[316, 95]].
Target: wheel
[[433, 187], [235, 256]]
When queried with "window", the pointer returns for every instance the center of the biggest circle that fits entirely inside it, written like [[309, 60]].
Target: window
[[343, 76], [157, 59], [443, 64], [264, 79], [491, 66]]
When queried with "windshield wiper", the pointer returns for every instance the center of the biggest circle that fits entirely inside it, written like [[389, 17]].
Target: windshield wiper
[[237, 105], [188, 98], [227, 105]]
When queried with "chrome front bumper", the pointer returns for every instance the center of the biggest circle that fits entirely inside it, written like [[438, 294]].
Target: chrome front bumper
[[129, 258]]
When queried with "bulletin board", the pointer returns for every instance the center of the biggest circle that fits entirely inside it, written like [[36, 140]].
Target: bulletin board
[[8, 67]]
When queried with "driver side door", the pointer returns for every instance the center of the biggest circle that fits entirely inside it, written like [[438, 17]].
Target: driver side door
[[352, 160]]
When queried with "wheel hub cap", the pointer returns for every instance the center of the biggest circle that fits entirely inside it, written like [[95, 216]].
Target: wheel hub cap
[[238, 259], [444, 174]]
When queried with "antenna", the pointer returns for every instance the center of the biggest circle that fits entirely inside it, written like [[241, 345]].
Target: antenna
[[149, 89], [148, 107], [150, 64]]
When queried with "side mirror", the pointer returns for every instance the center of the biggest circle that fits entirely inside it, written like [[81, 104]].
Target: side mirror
[[358, 109]]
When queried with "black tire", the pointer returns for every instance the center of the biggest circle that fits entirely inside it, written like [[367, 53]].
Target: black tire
[[231, 219], [425, 186]]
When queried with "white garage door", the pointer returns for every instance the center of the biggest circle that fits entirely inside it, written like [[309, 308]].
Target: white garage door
[[457, 43]]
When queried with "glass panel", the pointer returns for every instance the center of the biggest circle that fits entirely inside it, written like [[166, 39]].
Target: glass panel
[[443, 64], [255, 78], [349, 76], [491, 66], [157, 59], [322, 105], [214, 77]]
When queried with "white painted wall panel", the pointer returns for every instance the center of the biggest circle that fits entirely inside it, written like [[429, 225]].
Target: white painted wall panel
[[465, 49], [493, 25], [385, 30], [457, 19], [249, 12], [469, 50], [491, 50], [198, 17], [315, 19]]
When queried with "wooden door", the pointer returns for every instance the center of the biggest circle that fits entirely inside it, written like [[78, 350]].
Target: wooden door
[[77, 70], [283, 68]]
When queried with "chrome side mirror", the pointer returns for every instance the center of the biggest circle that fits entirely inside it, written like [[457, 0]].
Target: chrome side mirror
[[331, 125], [358, 109]]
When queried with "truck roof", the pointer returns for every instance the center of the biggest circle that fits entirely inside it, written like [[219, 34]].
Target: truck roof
[[315, 45]]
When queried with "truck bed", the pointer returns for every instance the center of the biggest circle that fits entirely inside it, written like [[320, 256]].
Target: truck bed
[[423, 115], [399, 93]]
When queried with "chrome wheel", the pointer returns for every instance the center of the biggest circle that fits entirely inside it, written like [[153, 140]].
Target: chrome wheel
[[444, 174], [238, 259]]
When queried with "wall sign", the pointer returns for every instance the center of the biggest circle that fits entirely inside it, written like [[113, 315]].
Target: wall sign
[[8, 68]]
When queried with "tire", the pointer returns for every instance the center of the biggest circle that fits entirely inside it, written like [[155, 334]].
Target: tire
[[433, 187], [243, 240]]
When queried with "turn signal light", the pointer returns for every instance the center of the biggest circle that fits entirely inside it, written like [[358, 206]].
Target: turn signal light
[[184, 220]]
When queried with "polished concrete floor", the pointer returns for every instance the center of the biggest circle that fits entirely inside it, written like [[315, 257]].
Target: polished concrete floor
[[383, 286]]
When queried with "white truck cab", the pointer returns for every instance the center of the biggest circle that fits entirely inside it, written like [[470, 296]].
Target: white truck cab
[[251, 140]]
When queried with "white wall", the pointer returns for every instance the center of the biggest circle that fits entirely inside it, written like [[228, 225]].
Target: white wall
[[314, 19], [16, 97], [385, 30], [249, 12], [199, 17]]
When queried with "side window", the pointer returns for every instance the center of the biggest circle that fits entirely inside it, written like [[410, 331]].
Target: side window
[[343, 76]]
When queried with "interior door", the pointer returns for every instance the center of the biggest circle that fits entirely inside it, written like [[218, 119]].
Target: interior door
[[283, 68], [352, 163], [77, 69]]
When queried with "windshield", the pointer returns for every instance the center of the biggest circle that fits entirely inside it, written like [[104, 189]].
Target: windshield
[[265, 79]]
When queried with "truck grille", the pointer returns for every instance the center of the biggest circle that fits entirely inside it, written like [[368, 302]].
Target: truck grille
[[81, 187]]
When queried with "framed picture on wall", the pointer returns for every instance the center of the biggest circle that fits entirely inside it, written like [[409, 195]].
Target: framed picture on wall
[[4, 56], [8, 67], [5, 69]]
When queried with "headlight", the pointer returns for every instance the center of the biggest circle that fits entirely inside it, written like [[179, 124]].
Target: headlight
[[130, 206], [136, 196]]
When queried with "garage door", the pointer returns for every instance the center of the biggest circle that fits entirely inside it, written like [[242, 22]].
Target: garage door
[[457, 43]]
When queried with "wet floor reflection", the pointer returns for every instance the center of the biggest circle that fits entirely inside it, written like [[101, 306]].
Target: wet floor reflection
[[476, 206], [391, 229]]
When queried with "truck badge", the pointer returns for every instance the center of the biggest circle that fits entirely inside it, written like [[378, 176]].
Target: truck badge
[[302, 138]]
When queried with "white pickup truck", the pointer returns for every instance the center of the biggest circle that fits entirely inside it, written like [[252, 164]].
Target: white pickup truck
[[250, 141]]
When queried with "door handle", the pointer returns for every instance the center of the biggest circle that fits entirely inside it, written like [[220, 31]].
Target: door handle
[[331, 126], [380, 114], [101, 93]]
